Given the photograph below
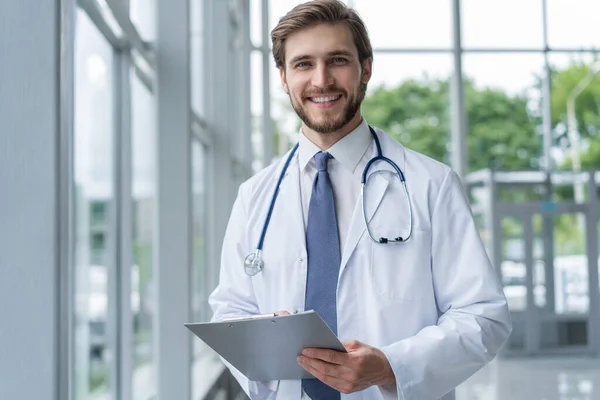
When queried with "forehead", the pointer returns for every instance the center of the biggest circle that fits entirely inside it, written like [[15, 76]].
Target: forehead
[[319, 40]]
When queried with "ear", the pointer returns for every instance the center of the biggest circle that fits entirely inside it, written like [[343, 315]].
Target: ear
[[367, 70], [283, 80]]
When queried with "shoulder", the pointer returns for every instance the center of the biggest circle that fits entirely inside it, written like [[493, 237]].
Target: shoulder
[[263, 182], [416, 166], [427, 179]]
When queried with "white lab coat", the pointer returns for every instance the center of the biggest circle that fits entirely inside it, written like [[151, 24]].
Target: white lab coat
[[433, 304]]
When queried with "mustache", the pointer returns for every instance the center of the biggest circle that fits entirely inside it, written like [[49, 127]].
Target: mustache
[[316, 92]]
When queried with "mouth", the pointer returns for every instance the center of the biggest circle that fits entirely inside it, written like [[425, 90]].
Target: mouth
[[325, 101]]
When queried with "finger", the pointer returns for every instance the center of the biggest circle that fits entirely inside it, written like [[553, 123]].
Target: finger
[[330, 356], [343, 372], [322, 366], [338, 383], [279, 313]]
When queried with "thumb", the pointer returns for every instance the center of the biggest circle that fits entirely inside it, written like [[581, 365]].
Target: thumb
[[352, 345]]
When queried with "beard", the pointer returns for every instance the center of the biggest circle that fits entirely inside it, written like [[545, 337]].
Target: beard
[[331, 124]]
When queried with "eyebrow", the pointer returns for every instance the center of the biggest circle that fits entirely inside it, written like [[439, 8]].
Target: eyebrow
[[334, 53]]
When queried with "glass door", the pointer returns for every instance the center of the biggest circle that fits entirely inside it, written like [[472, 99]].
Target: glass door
[[545, 263]]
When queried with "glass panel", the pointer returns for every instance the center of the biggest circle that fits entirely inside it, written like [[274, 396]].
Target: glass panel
[[408, 97], [256, 108], [571, 284], [200, 275], [143, 296], [495, 24], [256, 22], [513, 270], [503, 99], [539, 264], [197, 56], [201, 281], [94, 206], [279, 8], [407, 24], [143, 15], [285, 121], [576, 123], [573, 23]]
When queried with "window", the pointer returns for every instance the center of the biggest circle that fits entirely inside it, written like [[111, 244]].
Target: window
[[200, 276], [504, 105], [197, 56], [94, 207], [502, 24], [573, 24], [143, 191], [407, 24], [408, 96], [143, 15]]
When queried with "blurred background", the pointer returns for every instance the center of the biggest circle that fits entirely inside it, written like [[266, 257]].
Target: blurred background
[[128, 125]]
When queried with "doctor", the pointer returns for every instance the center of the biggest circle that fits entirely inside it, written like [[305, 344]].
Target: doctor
[[403, 278]]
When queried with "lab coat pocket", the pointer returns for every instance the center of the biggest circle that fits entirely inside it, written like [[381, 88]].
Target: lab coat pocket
[[402, 271]]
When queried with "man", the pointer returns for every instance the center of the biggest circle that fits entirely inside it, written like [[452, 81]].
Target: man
[[418, 316]]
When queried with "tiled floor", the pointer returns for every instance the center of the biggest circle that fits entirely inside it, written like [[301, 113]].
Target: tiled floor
[[535, 379]]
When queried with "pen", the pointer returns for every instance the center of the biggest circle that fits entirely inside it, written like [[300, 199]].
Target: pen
[[256, 316]]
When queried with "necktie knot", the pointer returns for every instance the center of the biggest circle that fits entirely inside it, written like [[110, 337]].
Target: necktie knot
[[321, 159]]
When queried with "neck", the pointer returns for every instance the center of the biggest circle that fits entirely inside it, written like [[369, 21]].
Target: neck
[[325, 141]]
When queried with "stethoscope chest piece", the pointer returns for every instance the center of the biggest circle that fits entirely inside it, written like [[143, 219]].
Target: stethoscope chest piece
[[253, 263]]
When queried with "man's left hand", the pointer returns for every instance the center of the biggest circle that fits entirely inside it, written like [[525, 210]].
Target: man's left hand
[[361, 367]]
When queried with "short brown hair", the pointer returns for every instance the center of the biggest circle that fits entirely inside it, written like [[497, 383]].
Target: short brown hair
[[317, 12]]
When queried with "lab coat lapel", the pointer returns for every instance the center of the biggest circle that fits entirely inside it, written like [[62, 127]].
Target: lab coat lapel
[[290, 191], [374, 193]]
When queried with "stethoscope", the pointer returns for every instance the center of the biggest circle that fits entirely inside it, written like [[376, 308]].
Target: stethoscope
[[254, 263]]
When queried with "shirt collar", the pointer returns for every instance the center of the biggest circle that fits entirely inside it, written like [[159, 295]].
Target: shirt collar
[[349, 150]]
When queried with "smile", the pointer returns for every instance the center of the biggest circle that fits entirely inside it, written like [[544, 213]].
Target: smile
[[325, 101]]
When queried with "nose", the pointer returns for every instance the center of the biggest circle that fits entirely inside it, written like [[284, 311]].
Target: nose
[[322, 77]]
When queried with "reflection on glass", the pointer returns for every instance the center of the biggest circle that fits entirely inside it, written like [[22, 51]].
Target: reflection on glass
[[94, 205], [503, 99], [513, 267], [143, 191], [485, 24], [571, 282]]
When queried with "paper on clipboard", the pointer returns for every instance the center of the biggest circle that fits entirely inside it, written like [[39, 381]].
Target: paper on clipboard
[[265, 348]]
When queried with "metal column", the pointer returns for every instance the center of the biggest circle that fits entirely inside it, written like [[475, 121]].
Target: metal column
[[457, 101]]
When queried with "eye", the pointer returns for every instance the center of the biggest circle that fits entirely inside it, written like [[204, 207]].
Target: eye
[[302, 64], [339, 60]]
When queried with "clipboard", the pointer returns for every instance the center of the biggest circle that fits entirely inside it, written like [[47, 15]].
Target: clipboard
[[265, 348]]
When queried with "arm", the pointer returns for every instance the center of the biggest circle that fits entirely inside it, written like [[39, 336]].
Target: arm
[[474, 321], [234, 296]]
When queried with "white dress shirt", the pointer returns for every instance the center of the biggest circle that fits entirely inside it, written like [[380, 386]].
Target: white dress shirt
[[350, 156]]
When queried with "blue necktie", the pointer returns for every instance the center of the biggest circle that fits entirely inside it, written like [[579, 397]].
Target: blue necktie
[[324, 258]]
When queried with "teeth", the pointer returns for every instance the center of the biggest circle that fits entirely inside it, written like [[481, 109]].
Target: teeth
[[324, 99]]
